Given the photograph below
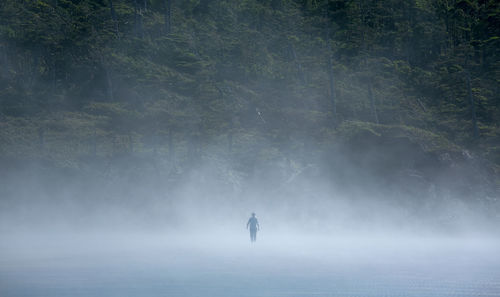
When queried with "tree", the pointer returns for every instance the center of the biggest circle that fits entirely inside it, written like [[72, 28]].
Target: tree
[[167, 13]]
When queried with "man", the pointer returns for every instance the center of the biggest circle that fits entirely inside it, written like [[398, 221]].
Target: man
[[253, 225]]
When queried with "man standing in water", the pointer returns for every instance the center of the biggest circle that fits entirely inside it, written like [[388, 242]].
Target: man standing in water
[[254, 227]]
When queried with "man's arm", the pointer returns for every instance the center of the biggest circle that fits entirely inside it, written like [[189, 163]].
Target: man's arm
[[258, 226]]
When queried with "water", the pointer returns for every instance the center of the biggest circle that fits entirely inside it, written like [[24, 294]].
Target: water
[[161, 264]]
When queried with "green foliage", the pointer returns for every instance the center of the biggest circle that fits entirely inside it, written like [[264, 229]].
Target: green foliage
[[257, 70], [427, 141]]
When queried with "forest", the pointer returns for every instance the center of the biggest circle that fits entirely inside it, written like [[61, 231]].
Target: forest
[[355, 93]]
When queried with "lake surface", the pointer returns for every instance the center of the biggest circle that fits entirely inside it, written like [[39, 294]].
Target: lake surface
[[120, 265]]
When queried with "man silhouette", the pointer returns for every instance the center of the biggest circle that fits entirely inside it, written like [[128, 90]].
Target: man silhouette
[[253, 225]]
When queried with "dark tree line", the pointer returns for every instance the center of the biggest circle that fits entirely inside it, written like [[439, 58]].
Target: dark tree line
[[169, 76]]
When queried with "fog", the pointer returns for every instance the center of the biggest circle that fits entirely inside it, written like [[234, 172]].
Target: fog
[[138, 137], [224, 263], [65, 234]]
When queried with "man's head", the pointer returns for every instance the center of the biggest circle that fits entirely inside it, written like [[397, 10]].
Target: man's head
[[253, 214]]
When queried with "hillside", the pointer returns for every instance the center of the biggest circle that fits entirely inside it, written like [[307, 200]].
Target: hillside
[[396, 92]]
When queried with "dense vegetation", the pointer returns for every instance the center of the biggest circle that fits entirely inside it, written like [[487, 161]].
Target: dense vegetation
[[175, 83]]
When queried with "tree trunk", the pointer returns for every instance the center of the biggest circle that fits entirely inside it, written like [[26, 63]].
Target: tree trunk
[[109, 85], [300, 72], [193, 149], [472, 107], [4, 62], [112, 10], [230, 142], [171, 149], [41, 139], [113, 16], [168, 15], [230, 136], [331, 78], [332, 87], [54, 73], [137, 20], [94, 143], [372, 103], [107, 77], [409, 38], [130, 141], [155, 139]]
